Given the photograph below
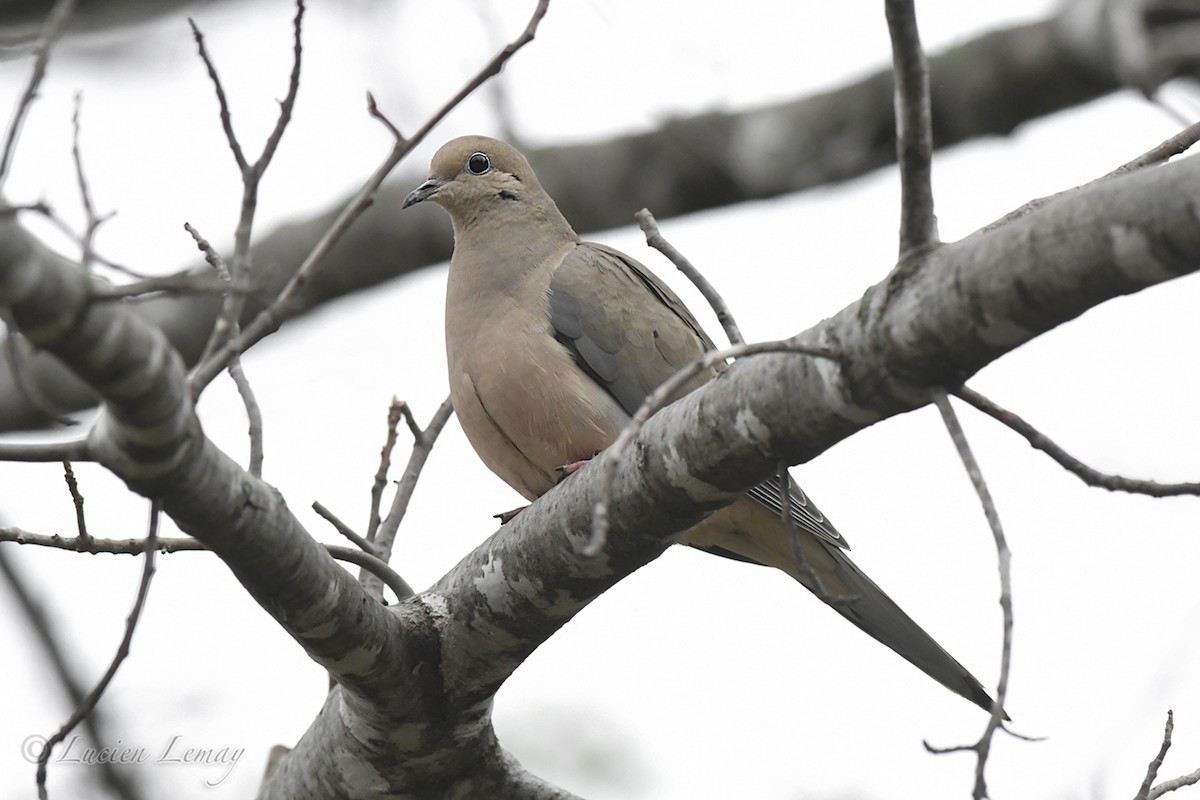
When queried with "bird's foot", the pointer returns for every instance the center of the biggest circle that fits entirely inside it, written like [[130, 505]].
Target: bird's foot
[[506, 517], [567, 470]]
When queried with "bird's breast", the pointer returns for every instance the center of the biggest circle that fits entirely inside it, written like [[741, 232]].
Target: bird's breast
[[524, 404]]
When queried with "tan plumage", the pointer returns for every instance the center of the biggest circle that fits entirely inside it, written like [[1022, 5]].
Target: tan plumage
[[553, 343]]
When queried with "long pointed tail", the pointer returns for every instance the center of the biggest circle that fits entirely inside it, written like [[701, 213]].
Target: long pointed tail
[[878, 615], [749, 531]]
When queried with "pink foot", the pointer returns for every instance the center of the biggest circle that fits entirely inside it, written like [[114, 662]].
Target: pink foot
[[567, 470], [508, 516]]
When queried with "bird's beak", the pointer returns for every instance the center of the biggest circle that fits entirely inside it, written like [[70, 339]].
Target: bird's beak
[[425, 191]]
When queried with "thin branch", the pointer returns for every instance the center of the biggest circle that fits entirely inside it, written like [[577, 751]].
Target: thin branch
[[659, 398], [288, 104], [226, 326], [655, 239], [1157, 761], [45, 452], [1165, 150], [94, 546], [983, 747], [76, 500], [92, 221], [121, 784], [183, 282], [385, 464], [1177, 144], [376, 566], [93, 697], [274, 315], [50, 32], [211, 256], [1090, 476], [410, 421], [342, 528], [222, 100], [1160, 153], [1190, 779], [228, 321], [374, 111], [186, 544], [254, 416], [914, 130], [423, 442]]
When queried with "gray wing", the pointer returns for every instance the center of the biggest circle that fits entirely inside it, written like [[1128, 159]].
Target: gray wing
[[629, 332], [622, 325]]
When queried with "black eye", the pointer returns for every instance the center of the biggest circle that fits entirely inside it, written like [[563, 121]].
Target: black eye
[[478, 164]]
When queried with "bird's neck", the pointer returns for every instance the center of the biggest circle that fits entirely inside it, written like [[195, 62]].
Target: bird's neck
[[501, 252]]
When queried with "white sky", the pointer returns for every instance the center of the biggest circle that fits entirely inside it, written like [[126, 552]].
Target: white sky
[[696, 677]]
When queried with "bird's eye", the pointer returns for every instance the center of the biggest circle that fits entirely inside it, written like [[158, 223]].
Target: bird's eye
[[478, 164]]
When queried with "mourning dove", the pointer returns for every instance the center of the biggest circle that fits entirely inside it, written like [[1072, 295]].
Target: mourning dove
[[554, 343]]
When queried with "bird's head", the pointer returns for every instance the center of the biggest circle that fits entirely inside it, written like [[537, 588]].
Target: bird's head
[[472, 174]]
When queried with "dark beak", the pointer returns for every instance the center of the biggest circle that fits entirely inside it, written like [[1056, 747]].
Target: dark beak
[[425, 191]]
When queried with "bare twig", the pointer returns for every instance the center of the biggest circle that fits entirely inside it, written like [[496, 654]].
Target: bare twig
[[186, 544], [374, 111], [92, 221], [1090, 476], [1157, 761], [93, 697], [51, 30], [45, 452], [119, 783], [1161, 152], [269, 320], [914, 130], [254, 418], [376, 566], [983, 747], [423, 441], [222, 100], [1190, 779], [210, 253], [76, 500], [1167, 149], [659, 398], [44, 210], [342, 528], [385, 464], [410, 421], [183, 282], [226, 326], [655, 239], [1150, 792]]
